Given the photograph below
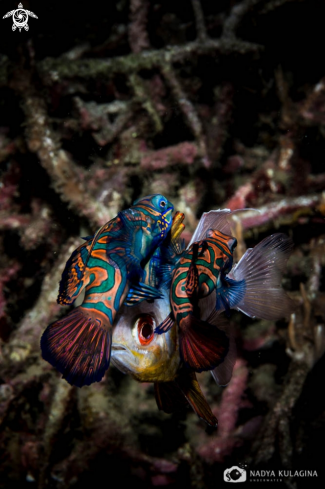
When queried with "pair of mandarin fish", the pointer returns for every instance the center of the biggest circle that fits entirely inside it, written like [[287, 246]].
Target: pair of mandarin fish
[[153, 307]]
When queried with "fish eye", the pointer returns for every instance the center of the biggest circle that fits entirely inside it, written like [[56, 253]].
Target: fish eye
[[163, 203], [146, 325]]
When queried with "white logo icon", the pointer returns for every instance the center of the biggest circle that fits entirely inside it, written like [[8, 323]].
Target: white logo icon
[[235, 474], [20, 18]]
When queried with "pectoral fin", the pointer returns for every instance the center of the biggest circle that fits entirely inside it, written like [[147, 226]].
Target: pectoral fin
[[176, 395], [202, 345], [141, 292], [188, 384], [169, 397], [165, 326], [229, 294], [78, 346]]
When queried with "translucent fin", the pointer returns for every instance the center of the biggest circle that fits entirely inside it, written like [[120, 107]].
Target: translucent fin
[[165, 325], [262, 267], [223, 372], [229, 294], [190, 387], [217, 219], [141, 292], [202, 346], [78, 346]]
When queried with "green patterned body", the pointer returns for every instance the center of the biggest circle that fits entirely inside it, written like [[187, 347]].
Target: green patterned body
[[106, 266]]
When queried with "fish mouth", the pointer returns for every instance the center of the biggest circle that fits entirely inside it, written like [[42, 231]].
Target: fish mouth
[[168, 213], [122, 359], [118, 347]]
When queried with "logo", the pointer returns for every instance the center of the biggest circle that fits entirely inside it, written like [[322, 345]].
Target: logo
[[20, 18], [235, 474]]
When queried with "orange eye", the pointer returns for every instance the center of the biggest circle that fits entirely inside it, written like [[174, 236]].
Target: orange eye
[[146, 326]]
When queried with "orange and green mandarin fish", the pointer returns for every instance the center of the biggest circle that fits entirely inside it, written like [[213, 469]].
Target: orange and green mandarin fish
[[149, 357], [202, 270], [111, 268]]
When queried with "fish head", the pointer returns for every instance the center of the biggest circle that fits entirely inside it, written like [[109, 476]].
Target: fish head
[[138, 350], [159, 209]]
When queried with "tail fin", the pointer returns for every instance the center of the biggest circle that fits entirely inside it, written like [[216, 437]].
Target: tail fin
[[202, 345], [78, 346], [261, 268]]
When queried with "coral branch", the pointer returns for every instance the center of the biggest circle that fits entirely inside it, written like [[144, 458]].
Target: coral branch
[[52, 69], [99, 123], [313, 107], [94, 118], [236, 16], [68, 179], [223, 444], [5, 276], [199, 18], [57, 413], [266, 442], [189, 112], [65, 175], [275, 434], [138, 36], [15, 221], [218, 128], [286, 211], [183, 153], [143, 96], [239, 11], [25, 340]]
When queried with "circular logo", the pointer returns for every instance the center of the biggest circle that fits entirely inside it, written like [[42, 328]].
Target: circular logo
[[20, 18]]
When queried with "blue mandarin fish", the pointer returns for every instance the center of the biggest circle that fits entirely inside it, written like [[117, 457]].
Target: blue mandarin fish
[[110, 267], [150, 357], [205, 270]]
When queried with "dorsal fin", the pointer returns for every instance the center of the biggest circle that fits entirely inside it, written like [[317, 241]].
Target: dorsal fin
[[216, 219], [72, 281], [73, 276]]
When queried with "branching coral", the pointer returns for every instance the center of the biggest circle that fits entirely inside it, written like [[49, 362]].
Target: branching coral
[[207, 106]]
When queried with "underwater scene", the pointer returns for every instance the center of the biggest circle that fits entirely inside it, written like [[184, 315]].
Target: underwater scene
[[162, 246]]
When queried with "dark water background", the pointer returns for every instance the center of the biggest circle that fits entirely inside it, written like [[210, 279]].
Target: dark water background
[[213, 104]]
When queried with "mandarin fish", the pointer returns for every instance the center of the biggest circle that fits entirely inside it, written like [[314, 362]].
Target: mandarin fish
[[110, 267], [150, 357], [253, 286]]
